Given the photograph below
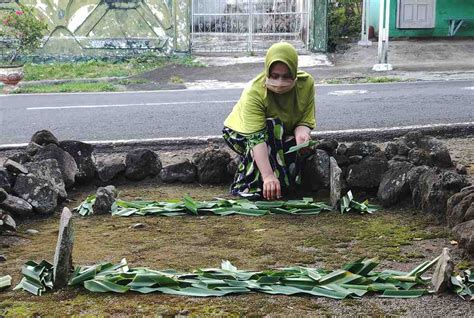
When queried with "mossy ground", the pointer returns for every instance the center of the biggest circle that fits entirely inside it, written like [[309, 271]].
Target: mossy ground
[[400, 238]]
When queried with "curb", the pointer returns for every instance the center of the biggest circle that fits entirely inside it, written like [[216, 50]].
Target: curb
[[366, 134]]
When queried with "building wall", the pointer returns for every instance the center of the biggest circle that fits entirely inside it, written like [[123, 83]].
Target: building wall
[[112, 27], [121, 27], [444, 9]]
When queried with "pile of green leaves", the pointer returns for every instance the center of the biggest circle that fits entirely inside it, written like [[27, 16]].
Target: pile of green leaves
[[348, 203], [352, 280], [463, 284], [5, 281], [37, 278], [222, 207]]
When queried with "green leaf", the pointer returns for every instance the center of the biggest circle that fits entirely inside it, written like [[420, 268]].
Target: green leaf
[[309, 143], [422, 268], [104, 286], [414, 293], [5, 282]]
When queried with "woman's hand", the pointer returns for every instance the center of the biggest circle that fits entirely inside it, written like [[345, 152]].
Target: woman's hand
[[302, 134], [271, 187]]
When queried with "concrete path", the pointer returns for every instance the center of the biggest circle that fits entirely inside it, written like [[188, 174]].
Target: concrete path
[[183, 113]]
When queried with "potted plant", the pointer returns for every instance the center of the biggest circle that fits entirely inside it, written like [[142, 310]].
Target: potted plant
[[21, 33]]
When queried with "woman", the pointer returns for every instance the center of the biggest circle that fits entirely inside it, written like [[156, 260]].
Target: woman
[[274, 113]]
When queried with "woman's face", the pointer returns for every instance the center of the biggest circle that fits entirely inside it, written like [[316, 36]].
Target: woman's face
[[280, 70]]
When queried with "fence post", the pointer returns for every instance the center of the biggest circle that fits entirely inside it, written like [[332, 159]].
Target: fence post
[[319, 26]]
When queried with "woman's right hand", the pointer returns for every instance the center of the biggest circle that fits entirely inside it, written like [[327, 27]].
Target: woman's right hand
[[271, 187]]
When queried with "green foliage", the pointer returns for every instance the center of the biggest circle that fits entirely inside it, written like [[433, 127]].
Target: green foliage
[[223, 207], [24, 30], [353, 280], [96, 68], [344, 22], [67, 88]]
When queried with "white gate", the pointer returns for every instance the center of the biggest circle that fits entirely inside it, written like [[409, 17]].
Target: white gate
[[248, 25]]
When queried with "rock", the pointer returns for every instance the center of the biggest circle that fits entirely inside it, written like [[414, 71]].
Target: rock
[[14, 167], [83, 154], [109, 167], [41, 194], [3, 258], [328, 145], [342, 160], [341, 149], [420, 157], [21, 157], [233, 166], [63, 255], [48, 170], [105, 197], [335, 184], [7, 223], [184, 172], [32, 232], [16, 206], [3, 195], [32, 149], [461, 169], [391, 150], [426, 150], [137, 226], [5, 180], [434, 188], [44, 137], [441, 279], [367, 173], [211, 166], [400, 158], [413, 179], [394, 184], [141, 163], [316, 171], [460, 207], [355, 159], [66, 162], [464, 234], [363, 149]]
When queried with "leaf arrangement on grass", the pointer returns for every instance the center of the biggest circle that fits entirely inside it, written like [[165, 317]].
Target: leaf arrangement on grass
[[223, 207], [352, 280], [5, 281]]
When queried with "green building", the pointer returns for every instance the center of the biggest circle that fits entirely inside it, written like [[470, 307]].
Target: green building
[[427, 18]]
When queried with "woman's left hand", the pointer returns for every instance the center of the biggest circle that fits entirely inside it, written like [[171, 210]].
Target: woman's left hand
[[302, 135]]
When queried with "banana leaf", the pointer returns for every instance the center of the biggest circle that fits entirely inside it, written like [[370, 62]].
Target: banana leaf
[[5, 282], [104, 286], [37, 278], [309, 143], [414, 293]]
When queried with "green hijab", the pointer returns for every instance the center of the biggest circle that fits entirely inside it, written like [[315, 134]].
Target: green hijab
[[256, 104]]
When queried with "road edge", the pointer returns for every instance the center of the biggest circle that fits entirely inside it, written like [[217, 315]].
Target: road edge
[[465, 130]]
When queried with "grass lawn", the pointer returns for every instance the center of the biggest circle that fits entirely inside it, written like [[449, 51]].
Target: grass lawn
[[398, 237], [96, 69]]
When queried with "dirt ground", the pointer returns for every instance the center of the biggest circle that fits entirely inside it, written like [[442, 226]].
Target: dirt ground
[[400, 237]]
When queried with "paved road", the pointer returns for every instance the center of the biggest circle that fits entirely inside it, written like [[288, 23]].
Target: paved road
[[141, 115]]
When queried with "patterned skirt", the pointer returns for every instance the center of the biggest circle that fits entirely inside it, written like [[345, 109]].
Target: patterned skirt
[[286, 167]]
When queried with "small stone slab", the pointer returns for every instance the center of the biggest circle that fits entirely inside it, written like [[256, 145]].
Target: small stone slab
[[444, 270], [63, 254], [335, 184], [14, 167], [3, 195]]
